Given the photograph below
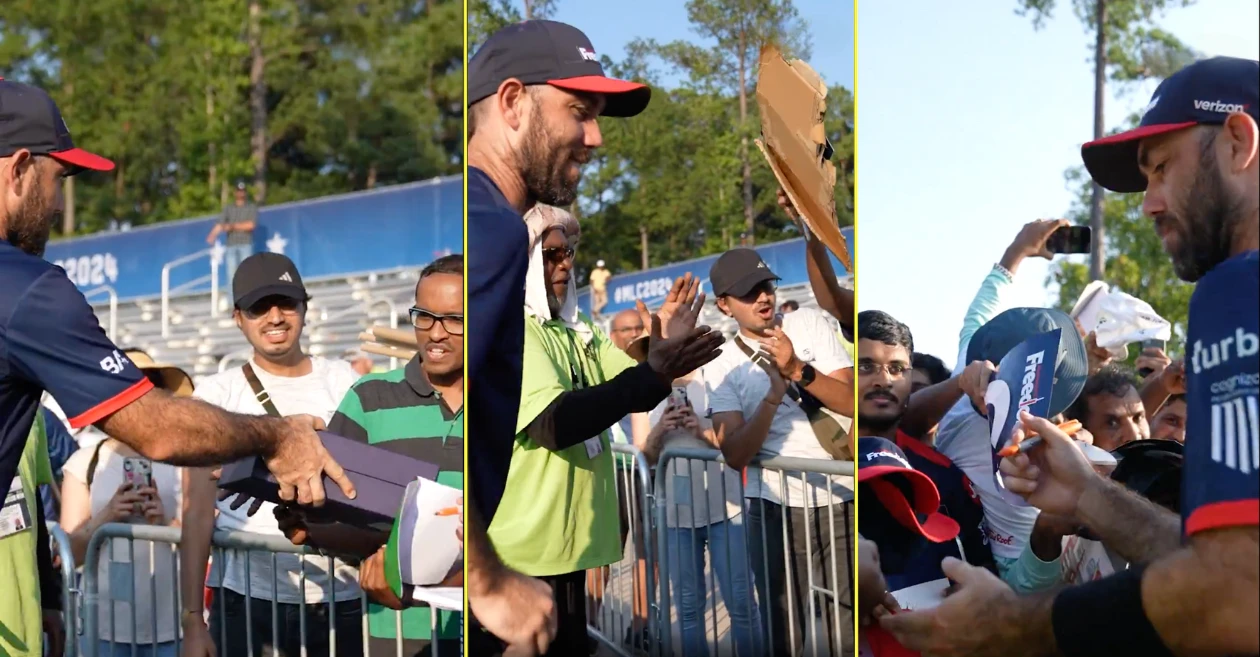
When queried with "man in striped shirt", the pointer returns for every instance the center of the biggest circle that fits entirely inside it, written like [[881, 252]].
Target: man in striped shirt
[[416, 410]]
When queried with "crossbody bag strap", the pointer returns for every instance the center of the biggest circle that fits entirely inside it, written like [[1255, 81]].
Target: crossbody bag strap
[[793, 391], [96, 458], [260, 393]]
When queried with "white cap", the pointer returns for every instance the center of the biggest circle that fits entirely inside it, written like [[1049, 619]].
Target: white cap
[[599, 263]]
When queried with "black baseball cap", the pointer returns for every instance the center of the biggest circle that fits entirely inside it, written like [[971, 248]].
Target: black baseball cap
[[1203, 93], [29, 119], [265, 275], [998, 336], [737, 272], [909, 496], [554, 53]]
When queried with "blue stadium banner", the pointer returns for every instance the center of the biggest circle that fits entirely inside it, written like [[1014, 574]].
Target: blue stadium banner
[[787, 259], [392, 227]]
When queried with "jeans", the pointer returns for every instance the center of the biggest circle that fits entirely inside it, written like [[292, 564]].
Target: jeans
[[233, 254], [230, 625], [728, 556], [815, 556], [104, 648]]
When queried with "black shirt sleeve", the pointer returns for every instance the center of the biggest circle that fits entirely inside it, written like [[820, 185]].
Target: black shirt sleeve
[[577, 415]]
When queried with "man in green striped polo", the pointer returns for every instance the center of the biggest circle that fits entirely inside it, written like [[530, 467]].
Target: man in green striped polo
[[416, 410]]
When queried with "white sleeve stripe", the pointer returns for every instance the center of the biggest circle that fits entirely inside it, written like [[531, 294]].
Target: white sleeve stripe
[[1244, 463], [1253, 424], [1230, 437], [1216, 432]]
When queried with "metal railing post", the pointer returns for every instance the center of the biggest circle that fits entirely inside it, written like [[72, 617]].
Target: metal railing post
[[166, 283], [371, 302], [112, 332]]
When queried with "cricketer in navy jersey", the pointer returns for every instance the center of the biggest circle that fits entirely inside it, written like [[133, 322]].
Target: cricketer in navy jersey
[[51, 340], [1221, 484]]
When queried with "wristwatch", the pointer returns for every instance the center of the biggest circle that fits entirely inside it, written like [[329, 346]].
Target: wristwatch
[[807, 375]]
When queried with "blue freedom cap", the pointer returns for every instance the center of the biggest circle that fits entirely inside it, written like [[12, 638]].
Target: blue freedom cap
[[1205, 92], [1003, 333]]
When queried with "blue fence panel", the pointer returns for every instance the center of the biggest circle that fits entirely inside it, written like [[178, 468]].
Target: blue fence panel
[[400, 226], [786, 259]]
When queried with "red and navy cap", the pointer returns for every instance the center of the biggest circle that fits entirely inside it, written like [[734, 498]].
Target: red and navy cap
[[1205, 92], [550, 52], [908, 495], [29, 119]]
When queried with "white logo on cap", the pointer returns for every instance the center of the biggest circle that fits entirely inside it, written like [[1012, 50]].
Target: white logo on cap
[[761, 265], [1218, 106], [587, 54], [1151, 106], [286, 277], [884, 454]]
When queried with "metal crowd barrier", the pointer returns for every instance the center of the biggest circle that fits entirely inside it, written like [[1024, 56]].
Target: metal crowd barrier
[[822, 622], [622, 598], [240, 542], [70, 600]]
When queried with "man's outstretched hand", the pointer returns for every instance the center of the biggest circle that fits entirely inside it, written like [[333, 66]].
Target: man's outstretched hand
[[299, 463], [685, 351], [518, 609]]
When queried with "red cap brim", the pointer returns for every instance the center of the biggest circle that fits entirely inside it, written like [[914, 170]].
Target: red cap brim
[[624, 98], [1113, 160], [938, 527], [77, 157]]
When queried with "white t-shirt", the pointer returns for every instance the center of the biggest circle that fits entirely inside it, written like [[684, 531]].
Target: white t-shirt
[[699, 493], [735, 383], [963, 436], [153, 568], [318, 393]]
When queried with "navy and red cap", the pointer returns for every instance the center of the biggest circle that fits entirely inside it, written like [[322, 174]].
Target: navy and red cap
[[908, 495], [1203, 93], [29, 119], [554, 53]]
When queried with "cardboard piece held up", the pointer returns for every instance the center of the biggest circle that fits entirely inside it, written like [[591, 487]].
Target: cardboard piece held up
[[793, 101]]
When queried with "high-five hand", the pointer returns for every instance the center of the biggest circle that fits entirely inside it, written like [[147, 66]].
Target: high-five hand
[[300, 462], [688, 348], [684, 294]]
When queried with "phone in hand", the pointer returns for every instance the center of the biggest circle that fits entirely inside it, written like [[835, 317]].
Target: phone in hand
[[138, 473], [1070, 239], [678, 397], [1161, 345]]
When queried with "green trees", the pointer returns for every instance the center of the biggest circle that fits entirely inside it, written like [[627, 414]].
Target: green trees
[[300, 98], [1127, 47]]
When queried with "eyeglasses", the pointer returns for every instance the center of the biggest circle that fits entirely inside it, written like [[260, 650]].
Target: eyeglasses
[[894, 370], [558, 254], [424, 320], [263, 307], [638, 328]]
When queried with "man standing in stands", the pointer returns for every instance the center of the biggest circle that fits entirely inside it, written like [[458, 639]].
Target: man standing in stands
[[535, 92], [599, 288], [51, 340], [239, 219]]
